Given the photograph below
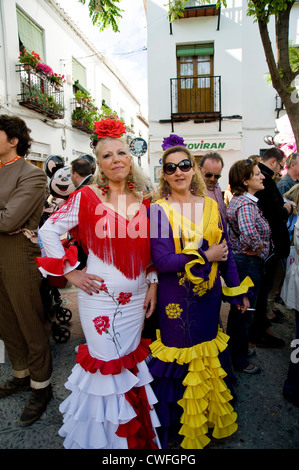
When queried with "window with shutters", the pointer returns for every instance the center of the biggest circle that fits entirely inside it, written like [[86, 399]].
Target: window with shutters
[[196, 91], [122, 114], [31, 36], [106, 96], [195, 65], [79, 74]]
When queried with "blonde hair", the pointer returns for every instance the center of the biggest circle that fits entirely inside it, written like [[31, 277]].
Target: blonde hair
[[197, 184], [136, 174]]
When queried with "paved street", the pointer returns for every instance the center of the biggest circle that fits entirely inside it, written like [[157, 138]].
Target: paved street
[[266, 420]]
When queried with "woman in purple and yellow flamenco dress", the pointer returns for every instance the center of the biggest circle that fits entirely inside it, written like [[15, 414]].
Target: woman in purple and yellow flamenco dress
[[190, 250]]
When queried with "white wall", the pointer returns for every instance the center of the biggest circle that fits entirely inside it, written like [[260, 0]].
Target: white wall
[[62, 42], [240, 61]]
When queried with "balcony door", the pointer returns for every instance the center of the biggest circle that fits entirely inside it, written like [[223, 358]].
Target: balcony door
[[194, 72]]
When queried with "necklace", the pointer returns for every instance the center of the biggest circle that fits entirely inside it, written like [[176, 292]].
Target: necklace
[[10, 161]]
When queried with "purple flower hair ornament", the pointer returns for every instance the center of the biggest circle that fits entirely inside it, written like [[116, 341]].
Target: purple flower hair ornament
[[172, 141]]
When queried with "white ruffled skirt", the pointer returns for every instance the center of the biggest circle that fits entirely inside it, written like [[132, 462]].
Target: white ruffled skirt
[[102, 410], [97, 406]]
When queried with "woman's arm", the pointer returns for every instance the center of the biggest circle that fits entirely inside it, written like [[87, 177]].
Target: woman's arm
[[59, 261]]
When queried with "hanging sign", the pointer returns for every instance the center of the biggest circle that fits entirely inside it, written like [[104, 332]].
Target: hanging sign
[[138, 147]]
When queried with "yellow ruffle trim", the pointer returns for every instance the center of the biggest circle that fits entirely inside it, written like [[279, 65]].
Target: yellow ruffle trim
[[190, 249], [238, 290], [206, 398], [201, 285]]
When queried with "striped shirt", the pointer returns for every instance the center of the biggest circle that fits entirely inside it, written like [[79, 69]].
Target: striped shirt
[[247, 225], [216, 194]]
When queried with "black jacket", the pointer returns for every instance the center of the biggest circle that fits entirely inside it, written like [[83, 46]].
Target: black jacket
[[271, 203]]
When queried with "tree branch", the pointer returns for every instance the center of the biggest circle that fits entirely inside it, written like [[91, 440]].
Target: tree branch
[[282, 43]]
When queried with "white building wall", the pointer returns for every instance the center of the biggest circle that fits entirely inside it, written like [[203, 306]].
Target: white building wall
[[62, 42], [247, 99]]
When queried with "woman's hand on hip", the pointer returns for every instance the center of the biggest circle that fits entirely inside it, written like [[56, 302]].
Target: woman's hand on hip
[[84, 281]]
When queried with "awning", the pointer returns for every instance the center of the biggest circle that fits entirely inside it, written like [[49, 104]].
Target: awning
[[198, 146], [195, 49]]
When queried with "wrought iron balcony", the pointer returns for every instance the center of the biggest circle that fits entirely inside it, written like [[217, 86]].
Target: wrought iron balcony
[[197, 98], [83, 115], [39, 93], [197, 9]]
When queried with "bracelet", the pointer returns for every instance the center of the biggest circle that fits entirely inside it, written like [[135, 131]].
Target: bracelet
[[152, 278]]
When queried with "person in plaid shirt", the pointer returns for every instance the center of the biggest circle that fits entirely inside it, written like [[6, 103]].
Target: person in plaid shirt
[[249, 234]]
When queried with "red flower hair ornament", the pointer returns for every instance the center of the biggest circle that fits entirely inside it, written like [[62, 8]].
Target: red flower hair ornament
[[109, 128]]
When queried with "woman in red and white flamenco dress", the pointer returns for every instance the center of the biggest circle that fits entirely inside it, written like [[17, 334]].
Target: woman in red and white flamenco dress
[[111, 404]]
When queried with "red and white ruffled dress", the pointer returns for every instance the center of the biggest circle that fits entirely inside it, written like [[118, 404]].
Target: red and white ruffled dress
[[111, 401]]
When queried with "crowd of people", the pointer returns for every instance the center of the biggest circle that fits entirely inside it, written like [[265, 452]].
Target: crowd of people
[[168, 260]]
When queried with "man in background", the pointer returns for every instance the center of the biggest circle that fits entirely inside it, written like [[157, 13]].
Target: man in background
[[276, 211], [211, 166], [81, 172], [291, 178]]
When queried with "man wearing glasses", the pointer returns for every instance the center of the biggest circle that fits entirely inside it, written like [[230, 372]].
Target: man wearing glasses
[[276, 211], [291, 178], [211, 166]]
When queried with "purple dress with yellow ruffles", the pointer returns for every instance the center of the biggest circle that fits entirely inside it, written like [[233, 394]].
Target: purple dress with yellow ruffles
[[188, 376]]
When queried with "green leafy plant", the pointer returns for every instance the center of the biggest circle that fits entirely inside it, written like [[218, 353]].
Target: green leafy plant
[[31, 58], [56, 78], [104, 13], [78, 114], [294, 57], [85, 116], [81, 95], [107, 112], [176, 7], [85, 109], [43, 101]]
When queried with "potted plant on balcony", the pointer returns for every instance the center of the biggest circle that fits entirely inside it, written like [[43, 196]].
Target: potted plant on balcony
[[44, 69], [55, 109], [58, 80], [78, 116], [83, 118], [107, 112], [29, 60], [36, 99], [81, 97], [84, 110]]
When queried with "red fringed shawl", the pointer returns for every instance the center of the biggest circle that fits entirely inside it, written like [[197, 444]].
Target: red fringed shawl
[[111, 237]]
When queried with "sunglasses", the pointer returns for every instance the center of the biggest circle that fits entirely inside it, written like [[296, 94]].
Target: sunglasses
[[209, 175], [281, 166], [183, 165], [248, 162]]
